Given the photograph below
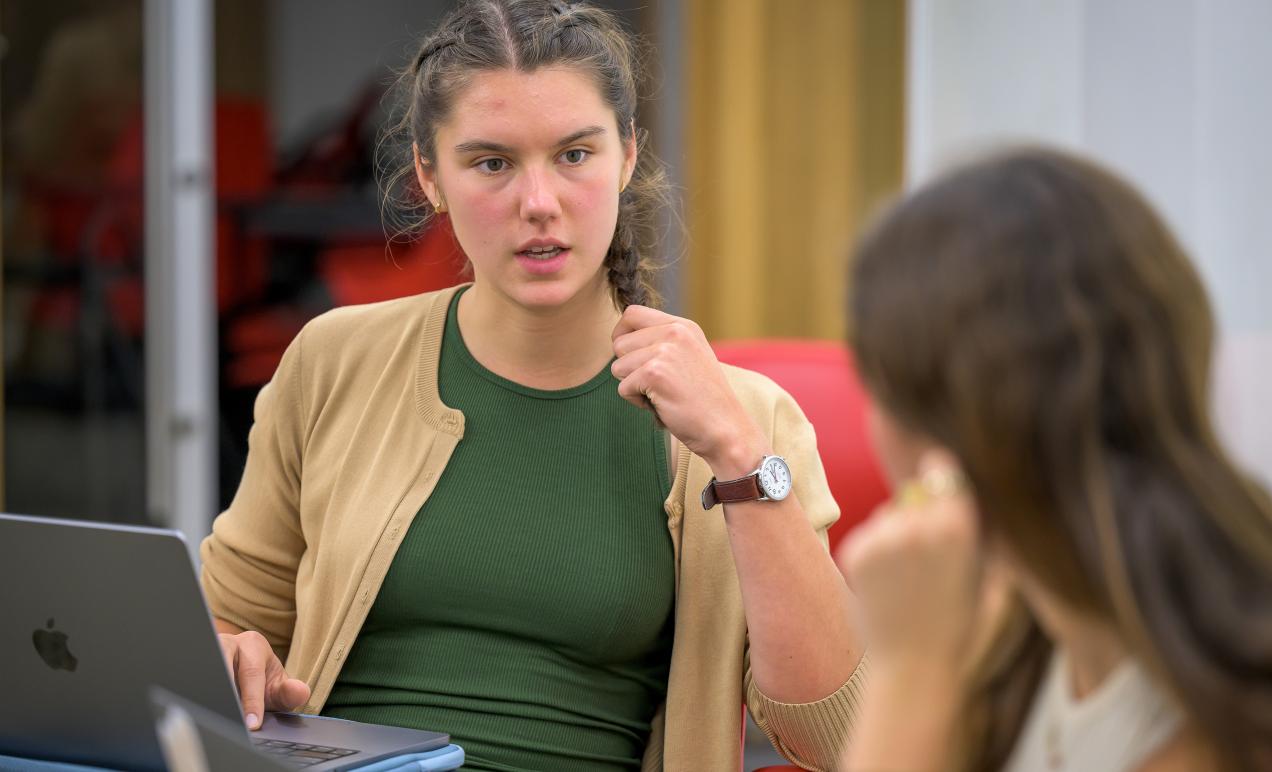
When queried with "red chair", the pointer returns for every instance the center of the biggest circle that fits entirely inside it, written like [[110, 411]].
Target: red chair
[[821, 377]]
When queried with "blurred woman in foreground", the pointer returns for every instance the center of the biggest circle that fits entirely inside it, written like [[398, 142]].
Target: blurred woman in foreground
[[1073, 574]]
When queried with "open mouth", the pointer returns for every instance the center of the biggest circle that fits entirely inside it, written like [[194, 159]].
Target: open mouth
[[541, 253]]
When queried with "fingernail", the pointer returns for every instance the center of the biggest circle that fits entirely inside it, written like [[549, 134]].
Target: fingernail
[[252, 720]]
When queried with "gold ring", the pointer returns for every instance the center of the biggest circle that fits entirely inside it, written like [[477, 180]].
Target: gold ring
[[911, 494], [933, 484]]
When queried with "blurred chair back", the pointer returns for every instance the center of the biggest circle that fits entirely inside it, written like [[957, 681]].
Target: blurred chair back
[[821, 377]]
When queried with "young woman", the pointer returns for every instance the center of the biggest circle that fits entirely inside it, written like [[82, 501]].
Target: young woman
[[482, 510], [1039, 349]]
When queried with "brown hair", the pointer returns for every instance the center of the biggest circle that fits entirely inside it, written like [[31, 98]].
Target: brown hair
[[526, 35], [1032, 313]]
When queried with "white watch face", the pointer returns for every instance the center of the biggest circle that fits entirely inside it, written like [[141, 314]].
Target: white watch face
[[775, 478]]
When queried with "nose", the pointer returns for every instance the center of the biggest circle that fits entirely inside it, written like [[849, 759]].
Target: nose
[[539, 199]]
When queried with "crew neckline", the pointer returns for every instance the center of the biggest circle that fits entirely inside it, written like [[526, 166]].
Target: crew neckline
[[455, 337]]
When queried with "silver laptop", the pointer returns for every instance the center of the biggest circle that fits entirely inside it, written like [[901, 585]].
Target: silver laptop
[[195, 739], [95, 615]]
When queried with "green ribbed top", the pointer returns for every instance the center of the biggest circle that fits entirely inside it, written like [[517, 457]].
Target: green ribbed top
[[528, 611]]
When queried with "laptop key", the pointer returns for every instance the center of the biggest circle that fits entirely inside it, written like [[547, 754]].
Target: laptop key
[[300, 754]]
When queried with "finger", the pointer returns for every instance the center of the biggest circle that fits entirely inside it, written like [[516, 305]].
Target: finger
[[249, 670], [628, 363], [634, 389], [278, 692], [940, 474], [910, 497], [937, 458], [953, 523], [287, 693], [637, 389], [862, 544], [644, 338], [654, 379], [950, 509], [938, 481], [638, 318], [848, 554], [229, 647], [863, 532]]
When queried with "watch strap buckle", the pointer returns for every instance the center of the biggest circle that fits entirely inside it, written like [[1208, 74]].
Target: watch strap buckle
[[731, 491]]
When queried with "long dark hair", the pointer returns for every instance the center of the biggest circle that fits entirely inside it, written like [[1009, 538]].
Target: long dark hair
[[526, 35], [1032, 313]]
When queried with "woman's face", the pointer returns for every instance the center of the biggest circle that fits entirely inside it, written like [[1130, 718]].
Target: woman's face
[[529, 166]]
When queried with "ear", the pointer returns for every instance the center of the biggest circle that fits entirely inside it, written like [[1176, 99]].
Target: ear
[[426, 174], [629, 155]]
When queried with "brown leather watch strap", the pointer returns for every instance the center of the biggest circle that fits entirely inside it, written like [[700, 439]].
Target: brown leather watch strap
[[731, 491]]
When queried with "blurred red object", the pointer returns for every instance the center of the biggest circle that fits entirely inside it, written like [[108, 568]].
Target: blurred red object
[[351, 274], [243, 170], [367, 273], [820, 375]]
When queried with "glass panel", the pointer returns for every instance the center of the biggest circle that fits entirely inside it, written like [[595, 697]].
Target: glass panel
[[300, 222], [72, 109], [297, 115]]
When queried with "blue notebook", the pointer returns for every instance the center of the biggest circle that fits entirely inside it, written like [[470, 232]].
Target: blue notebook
[[450, 757], [193, 737]]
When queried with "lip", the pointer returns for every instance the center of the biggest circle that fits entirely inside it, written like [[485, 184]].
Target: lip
[[541, 267], [537, 243]]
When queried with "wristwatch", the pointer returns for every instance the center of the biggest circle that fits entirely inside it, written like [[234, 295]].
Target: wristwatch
[[771, 481]]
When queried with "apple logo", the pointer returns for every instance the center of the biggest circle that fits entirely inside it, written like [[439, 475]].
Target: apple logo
[[51, 645]]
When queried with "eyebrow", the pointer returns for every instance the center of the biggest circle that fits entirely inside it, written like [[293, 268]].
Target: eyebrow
[[487, 146]]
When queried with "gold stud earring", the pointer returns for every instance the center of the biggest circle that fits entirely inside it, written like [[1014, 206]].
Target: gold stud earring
[[440, 208]]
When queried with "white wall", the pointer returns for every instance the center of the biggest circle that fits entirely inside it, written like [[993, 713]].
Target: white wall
[[1174, 94]]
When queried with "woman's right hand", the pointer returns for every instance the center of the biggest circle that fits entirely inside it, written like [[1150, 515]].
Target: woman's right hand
[[262, 682]]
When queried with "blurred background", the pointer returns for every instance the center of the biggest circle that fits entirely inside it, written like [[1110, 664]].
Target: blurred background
[[186, 182]]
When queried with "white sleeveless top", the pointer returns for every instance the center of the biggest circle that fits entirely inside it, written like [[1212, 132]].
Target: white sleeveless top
[[1114, 728]]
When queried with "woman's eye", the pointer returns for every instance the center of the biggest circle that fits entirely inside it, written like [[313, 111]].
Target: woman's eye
[[492, 165], [574, 157]]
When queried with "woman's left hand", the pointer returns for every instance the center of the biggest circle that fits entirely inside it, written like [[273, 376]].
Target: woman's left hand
[[665, 364], [916, 568]]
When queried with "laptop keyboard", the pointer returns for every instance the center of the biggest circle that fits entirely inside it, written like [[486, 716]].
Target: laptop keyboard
[[299, 754]]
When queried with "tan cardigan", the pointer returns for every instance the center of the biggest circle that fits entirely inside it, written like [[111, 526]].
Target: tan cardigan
[[349, 439]]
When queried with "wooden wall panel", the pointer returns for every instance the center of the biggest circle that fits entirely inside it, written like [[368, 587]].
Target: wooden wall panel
[[793, 130]]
